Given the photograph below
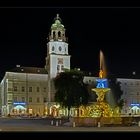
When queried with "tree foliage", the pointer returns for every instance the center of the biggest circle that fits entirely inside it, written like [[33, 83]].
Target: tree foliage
[[120, 103], [70, 89], [116, 90]]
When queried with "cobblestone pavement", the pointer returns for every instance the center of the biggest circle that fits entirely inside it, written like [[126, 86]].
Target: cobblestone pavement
[[44, 125]]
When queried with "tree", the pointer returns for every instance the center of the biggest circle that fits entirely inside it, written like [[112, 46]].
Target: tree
[[120, 103], [70, 89], [116, 90]]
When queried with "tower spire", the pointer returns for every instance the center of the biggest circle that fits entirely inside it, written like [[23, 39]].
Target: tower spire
[[57, 16], [57, 30]]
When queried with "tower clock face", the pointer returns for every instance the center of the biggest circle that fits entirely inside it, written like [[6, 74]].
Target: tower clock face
[[60, 48]]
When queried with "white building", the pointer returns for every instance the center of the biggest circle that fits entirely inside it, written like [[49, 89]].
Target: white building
[[30, 90], [26, 90], [131, 95]]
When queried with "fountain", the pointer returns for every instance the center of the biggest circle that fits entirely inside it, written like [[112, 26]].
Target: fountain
[[102, 107], [99, 111]]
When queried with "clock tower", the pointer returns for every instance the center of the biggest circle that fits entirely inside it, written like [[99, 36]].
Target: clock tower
[[57, 58]]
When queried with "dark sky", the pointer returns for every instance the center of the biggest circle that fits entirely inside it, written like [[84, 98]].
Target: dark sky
[[23, 33]]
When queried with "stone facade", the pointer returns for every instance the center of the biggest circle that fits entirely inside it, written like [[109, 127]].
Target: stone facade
[[131, 95], [24, 92]]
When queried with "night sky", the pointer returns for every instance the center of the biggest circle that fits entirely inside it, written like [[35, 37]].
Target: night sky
[[116, 31]]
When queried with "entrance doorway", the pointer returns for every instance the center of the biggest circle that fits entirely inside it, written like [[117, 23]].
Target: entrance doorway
[[19, 110]]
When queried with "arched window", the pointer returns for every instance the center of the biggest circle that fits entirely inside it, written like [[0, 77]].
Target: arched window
[[52, 48], [54, 34], [59, 34]]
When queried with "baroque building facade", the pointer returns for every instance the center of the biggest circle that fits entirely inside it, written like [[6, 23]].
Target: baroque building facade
[[131, 95], [26, 90], [30, 90]]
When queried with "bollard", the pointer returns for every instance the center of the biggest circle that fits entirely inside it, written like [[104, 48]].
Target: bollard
[[99, 124], [73, 124], [52, 122], [60, 122], [56, 123]]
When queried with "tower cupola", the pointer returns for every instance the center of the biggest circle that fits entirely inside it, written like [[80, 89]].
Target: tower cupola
[[57, 32]]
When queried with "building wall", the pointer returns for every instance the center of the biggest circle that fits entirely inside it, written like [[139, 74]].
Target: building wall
[[131, 94], [24, 87]]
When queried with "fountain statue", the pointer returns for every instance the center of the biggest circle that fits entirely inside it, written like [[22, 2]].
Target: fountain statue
[[100, 110]]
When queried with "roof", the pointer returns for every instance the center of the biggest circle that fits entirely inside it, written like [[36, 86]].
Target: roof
[[57, 24], [35, 70]]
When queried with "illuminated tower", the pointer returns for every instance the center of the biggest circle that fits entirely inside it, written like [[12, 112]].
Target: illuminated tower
[[57, 58]]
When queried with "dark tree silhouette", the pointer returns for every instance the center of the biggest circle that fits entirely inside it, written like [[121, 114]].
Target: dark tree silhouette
[[70, 89], [115, 87]]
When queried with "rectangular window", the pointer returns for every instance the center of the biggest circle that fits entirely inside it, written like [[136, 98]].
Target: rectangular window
[[44, 89], [45, 100], [15, 99], [30, 89], [9, 96], [23, 99], [38, 99], [9, 101], [9, 89], [30, 99], [15, 88], [62, 67], [23, 89], [37, 89]]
